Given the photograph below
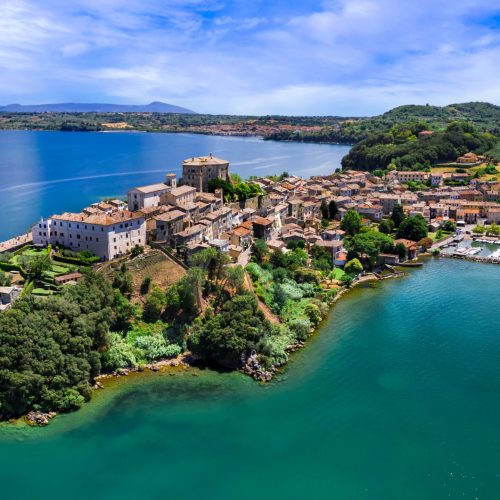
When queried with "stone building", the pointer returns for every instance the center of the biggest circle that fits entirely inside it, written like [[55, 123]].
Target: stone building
[[198, 172]]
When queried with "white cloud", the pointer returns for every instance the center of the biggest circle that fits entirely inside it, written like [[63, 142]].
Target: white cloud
[[344, 56]]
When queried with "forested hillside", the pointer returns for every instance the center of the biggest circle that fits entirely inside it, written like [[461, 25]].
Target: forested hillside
[[401, 147]]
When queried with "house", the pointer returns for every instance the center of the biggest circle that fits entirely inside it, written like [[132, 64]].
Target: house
[[179, 196], [262, 228], [241, 237], [146, 196], [389, 258], [424, 134], [8, 294], [219, 244], [71, 278], [469, 216], [190, 236], [168, 224], [468, 159], [372, 212], [296, 208], [411, 247], [333, 234], [407, 176]]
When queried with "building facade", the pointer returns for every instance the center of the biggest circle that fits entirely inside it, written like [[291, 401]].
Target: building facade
[[106, 235], [198, 172]]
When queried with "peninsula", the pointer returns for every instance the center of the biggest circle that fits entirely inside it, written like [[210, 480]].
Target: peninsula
[[214, 269]]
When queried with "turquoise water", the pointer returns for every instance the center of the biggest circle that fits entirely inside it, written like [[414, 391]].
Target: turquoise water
[[42, 173], [397, 397]]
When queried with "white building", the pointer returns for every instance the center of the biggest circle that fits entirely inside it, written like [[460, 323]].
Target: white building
[[105, 235], [149, 196], [8, 294]]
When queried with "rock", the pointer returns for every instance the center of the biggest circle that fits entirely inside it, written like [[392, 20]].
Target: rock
[[122, 371], [39, 418], [98, 385], [154, 368]]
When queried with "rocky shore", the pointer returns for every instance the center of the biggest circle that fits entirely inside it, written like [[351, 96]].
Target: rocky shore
[[39, 418]]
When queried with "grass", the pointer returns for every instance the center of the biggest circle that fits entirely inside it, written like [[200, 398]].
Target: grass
[[433, 236], [41, 291]]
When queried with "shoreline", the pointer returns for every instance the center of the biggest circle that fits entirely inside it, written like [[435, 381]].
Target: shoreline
[[186, 361]]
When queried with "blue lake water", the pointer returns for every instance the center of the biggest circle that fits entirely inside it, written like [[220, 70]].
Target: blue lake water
[[395, 398], [49, 172]]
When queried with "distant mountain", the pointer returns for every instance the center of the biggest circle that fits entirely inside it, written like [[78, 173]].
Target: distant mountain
[[76, 107]]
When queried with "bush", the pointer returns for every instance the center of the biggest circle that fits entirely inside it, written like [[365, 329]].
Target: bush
[[153, 347], [354, 266], [119, 354]]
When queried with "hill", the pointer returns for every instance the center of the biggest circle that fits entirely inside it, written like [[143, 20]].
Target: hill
[[484, 116], [153, 107], [400, 146]]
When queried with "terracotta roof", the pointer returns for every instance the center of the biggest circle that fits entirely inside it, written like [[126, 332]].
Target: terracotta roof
[[260, 221]]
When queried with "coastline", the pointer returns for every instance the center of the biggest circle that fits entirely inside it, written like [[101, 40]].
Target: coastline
[[185, 362]]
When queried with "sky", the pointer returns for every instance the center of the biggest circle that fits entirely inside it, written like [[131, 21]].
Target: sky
[[338, 57]]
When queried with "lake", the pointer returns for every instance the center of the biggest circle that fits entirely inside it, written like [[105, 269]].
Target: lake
[[43, 173], [396, 397]]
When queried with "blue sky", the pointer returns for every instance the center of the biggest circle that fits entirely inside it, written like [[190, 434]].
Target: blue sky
[[345, 57]]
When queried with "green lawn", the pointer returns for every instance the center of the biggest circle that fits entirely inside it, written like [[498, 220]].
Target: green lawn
[[41, 291]]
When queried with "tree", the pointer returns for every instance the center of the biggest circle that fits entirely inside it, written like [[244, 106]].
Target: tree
[[413, 228], [154, 305], [5, 279], [325, 214], [259, 250], [425, 243], [354, 266], [230, 336], [145, 285], [449, 226], [397, 215], [35, 266], [123, 281], [371, 244], [351, 222], [478, 229], [386, 226], [137, 250], [401, 251], [49, 349], [332, 209]]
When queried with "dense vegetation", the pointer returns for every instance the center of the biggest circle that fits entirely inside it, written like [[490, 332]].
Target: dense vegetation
[[400, 148], [485, 116], [49, 348]]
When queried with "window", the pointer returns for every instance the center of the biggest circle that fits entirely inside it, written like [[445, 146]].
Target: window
[[69, 224], [97, 239], [78, 237]]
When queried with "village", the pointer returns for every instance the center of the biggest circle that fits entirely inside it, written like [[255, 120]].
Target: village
[[185, 216]]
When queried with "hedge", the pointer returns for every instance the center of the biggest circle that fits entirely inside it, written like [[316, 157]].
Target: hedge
[[74, 260]]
